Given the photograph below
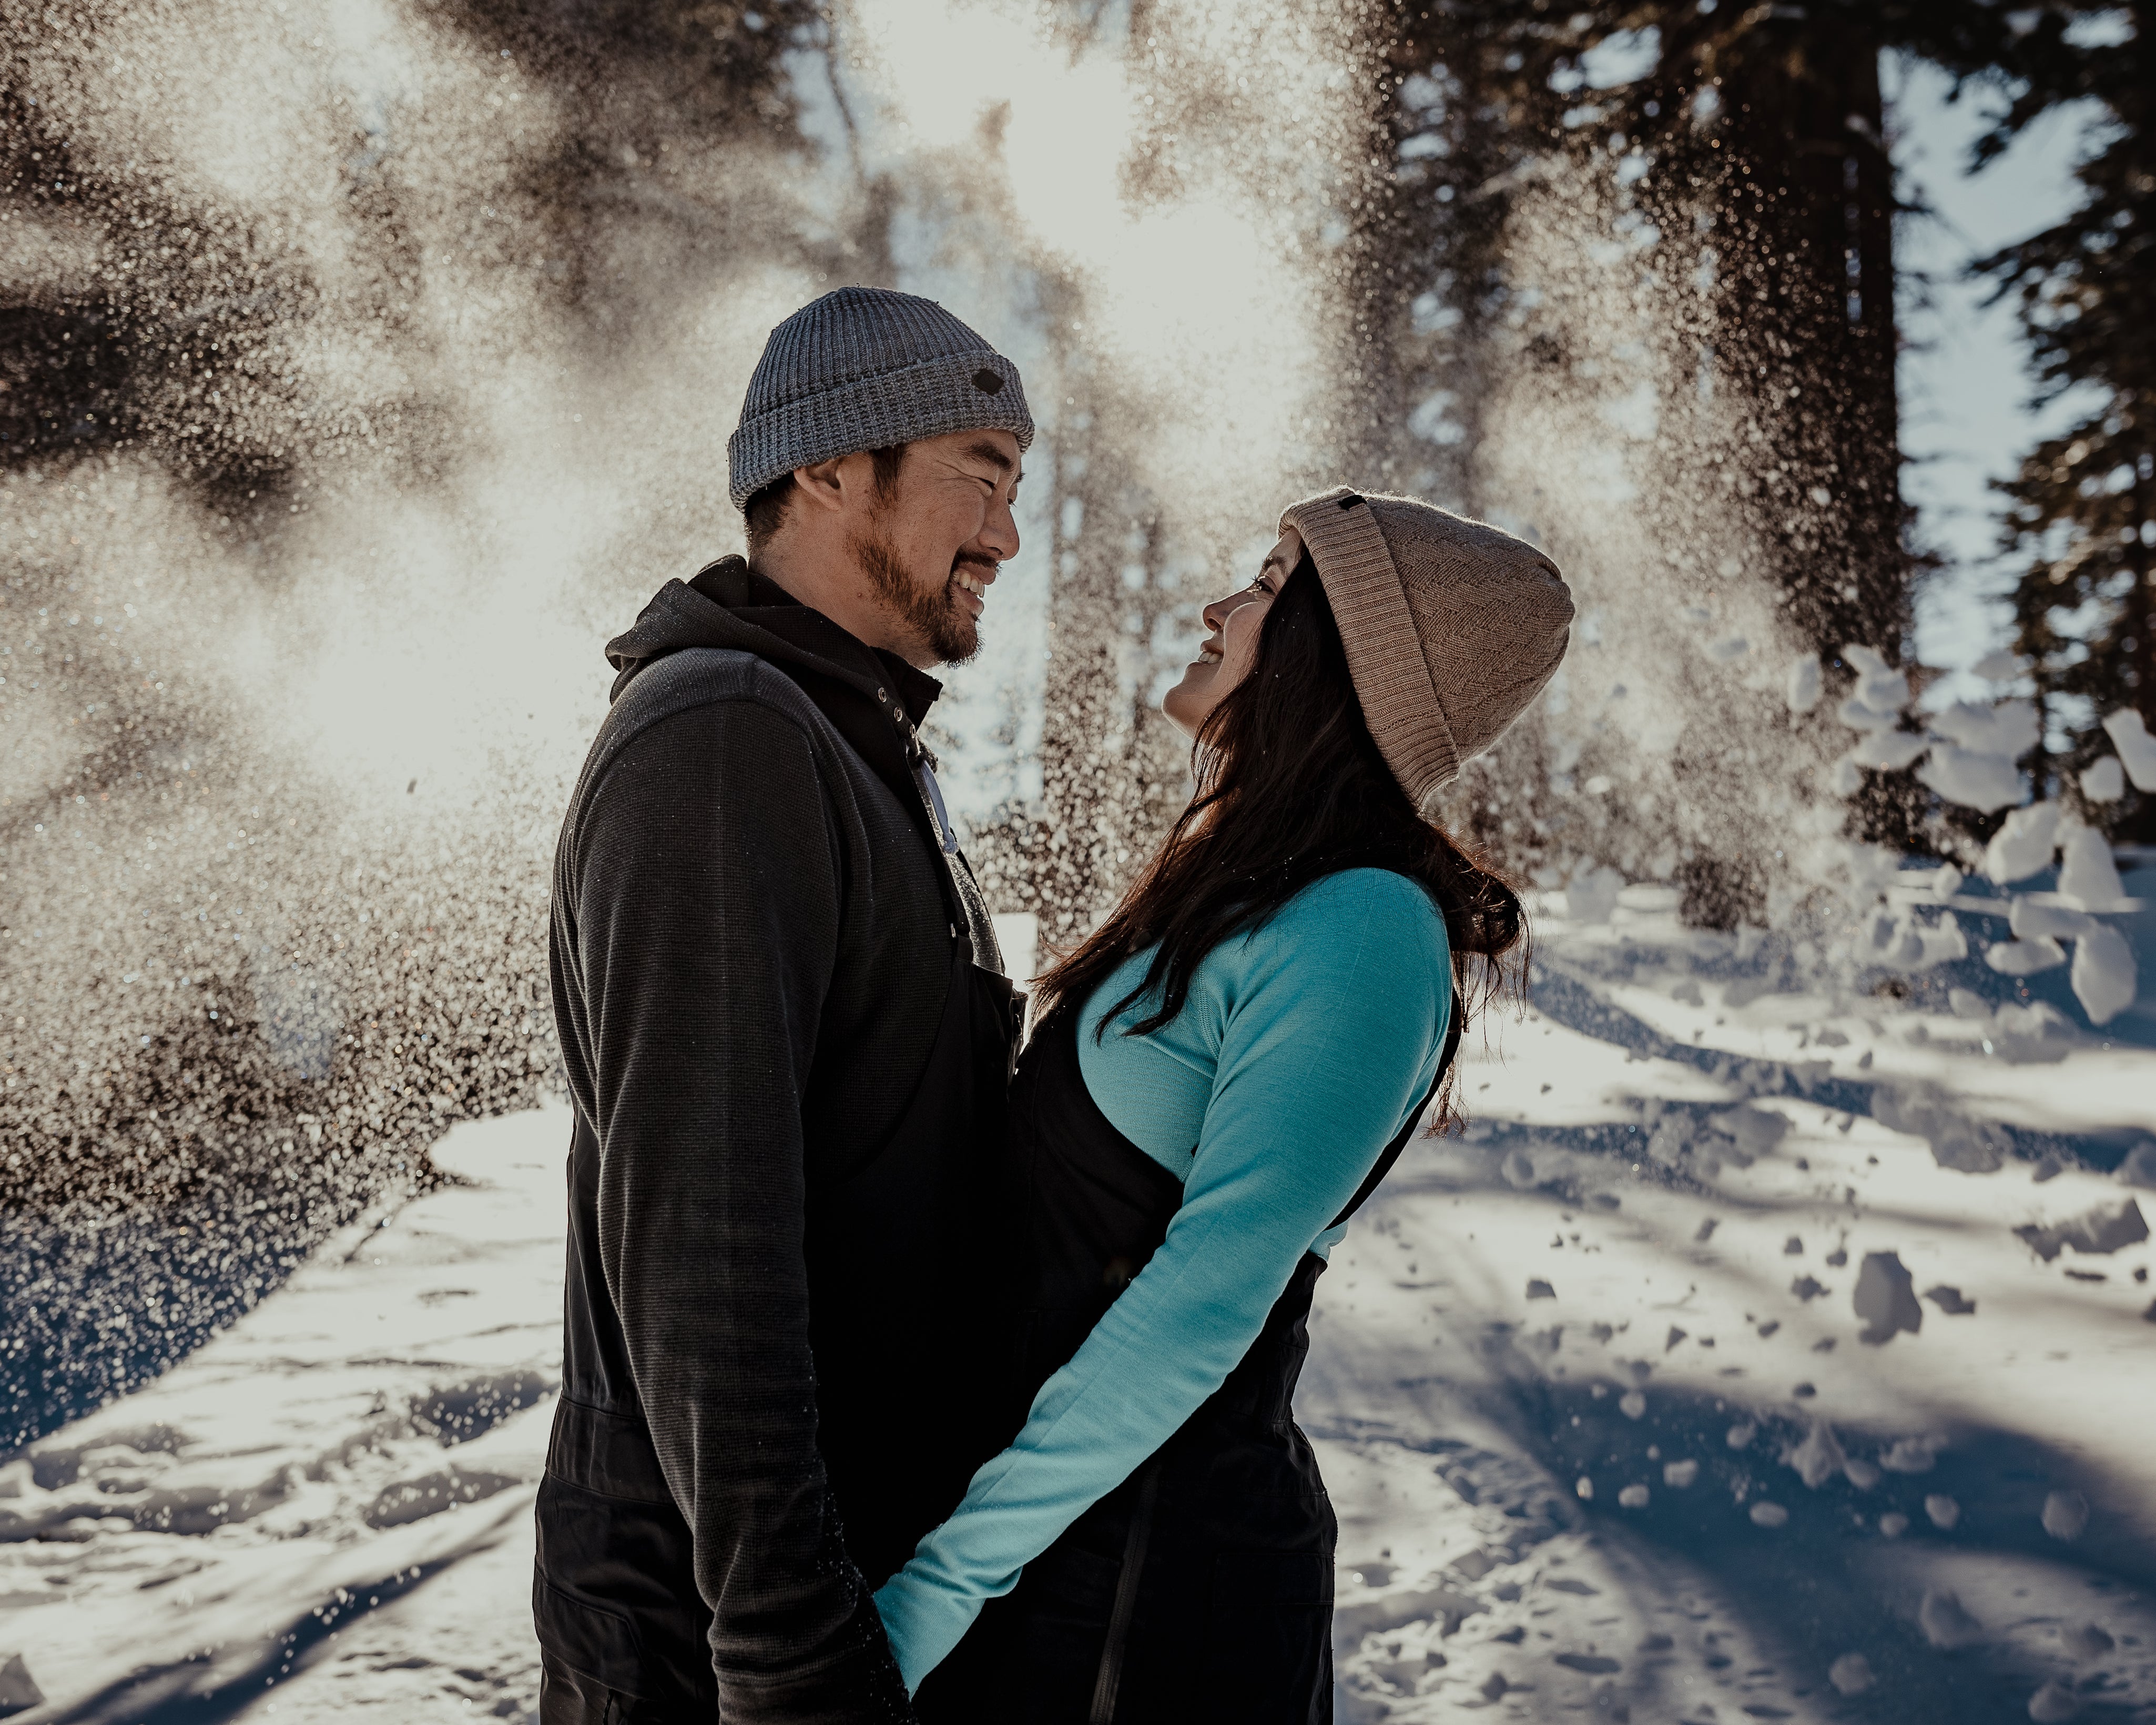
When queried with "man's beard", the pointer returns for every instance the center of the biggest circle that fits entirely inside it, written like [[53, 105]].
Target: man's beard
[[938, 619]]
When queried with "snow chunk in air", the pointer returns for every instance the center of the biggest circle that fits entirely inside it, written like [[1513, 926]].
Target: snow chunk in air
[[2105, 782], [2104, 977], [2024, 845], [1904, 943], [2008, 729], [1889, 751], [1755, 1131], [2024, 957], [2137, 748], [1879, 686], [1805, 684], [1819, 1458], [1976, 781], [2087, 872]]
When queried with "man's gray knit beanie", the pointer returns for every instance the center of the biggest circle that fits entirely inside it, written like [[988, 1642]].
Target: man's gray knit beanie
[[864, 369]]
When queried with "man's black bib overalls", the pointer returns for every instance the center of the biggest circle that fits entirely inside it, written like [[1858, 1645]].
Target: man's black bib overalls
[[1199, 1592]]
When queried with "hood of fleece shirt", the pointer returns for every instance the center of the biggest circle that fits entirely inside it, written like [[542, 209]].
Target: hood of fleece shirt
[[728, 605], [874, 699]]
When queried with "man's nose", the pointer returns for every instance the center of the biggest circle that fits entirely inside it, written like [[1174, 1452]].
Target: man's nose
[[999, 536]]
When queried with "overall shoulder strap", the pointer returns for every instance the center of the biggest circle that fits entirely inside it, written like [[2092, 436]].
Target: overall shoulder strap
[[970, 922], [1391, 1154]]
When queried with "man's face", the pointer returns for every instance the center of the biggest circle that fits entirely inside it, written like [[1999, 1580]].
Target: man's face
[[930, 549]]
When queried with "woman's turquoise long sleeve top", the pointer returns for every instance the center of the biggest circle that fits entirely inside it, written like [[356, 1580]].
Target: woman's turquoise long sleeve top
[[1303, 1049]]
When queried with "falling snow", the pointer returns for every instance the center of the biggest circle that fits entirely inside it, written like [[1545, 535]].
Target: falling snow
[[1767, 1348]]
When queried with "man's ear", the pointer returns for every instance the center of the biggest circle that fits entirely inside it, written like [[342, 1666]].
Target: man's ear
[[822, 486]]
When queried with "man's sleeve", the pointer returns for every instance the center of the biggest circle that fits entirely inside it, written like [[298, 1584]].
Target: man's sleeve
[[707, 919]]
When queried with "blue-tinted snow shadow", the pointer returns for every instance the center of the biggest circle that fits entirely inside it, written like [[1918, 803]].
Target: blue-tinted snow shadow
[[1820, 1584], [94, 1304], [172, 1695], [1814, 1584], [1565, 994]]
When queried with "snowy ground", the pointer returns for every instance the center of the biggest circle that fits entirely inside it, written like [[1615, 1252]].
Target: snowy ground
[[1591, 1387], [328, 1508], [1594, 1393]]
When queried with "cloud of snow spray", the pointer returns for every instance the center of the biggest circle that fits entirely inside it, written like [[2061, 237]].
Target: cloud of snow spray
[[1668, 736], [403, 352], [1689, 736]]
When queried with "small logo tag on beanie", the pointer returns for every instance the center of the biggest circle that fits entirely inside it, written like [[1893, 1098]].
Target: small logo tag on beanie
[[1350, 500], [986, 382]]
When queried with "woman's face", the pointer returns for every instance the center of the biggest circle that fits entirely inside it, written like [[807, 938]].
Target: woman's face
[[1231, 640]]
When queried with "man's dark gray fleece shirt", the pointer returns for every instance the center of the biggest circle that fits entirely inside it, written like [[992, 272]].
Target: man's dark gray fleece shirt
[[751, 951]]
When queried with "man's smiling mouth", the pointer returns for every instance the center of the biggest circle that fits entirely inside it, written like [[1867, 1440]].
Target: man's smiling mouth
[[974, 589]]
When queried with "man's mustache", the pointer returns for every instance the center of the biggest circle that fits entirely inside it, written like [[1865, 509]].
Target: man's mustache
[[991, 564]]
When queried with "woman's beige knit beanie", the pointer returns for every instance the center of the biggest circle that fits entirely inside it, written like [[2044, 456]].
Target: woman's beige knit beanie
[[1452, 627]]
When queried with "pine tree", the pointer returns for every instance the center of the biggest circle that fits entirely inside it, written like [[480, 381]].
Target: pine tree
[[2083, 507]]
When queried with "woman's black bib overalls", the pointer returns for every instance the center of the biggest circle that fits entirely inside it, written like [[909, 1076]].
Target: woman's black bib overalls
[[1199, 1592]]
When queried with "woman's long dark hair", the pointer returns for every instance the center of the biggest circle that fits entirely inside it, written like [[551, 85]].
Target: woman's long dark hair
[[1290, 788]]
